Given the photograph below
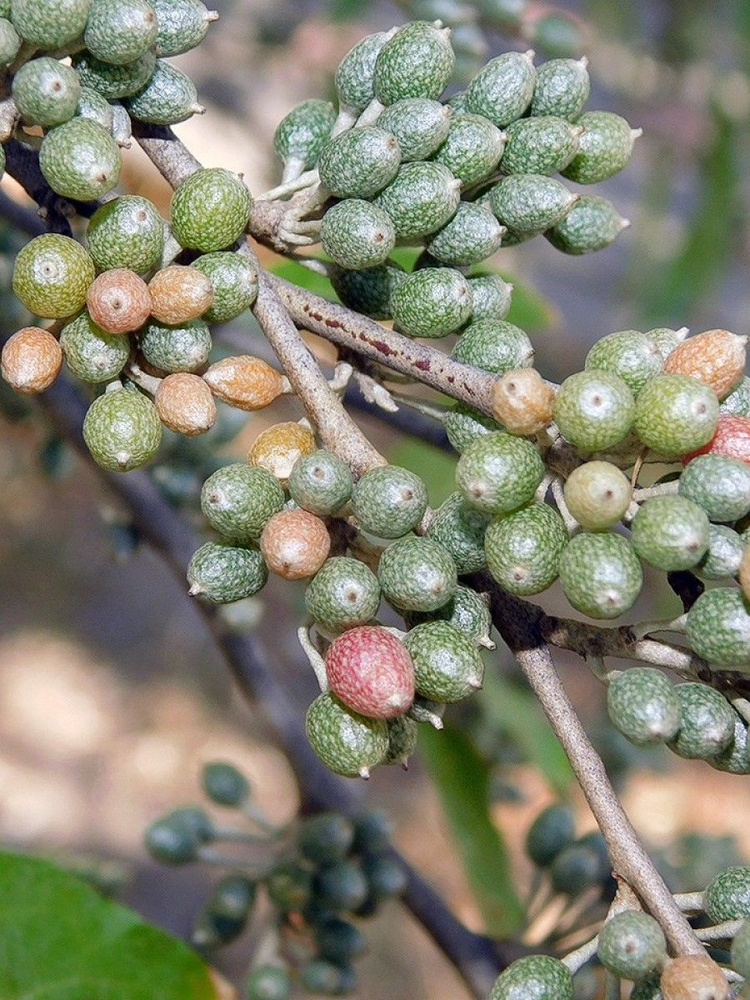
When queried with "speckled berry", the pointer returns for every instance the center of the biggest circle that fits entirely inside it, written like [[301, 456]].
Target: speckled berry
[[92, 354], [716, 357], [403, 733], [347, 743], [80, 160], [302, 133], [389, 501], [245, 382], [605, 147], [642, 704], [543, 145], [118, 301], [210, 210], [600, 574], [360, 162], [524, 548], [472, 235], [706, 722], [31, 360], [720, 485], [46, 92], [693, 977], [460, 529], [119, 31], [320, 482], [343, 594], [522, 401], [531, 203], [220, 574], [732, 438], [447, 665], [416, 62], [594, 410], [183, 348], [562, 88], [92, 105], [10, 42], [122, 430], [126, 232], [597, 494], [472, 148], [179, 294], [182, 24], [631, 355], [421, 199], [269, 982], [727, 897], [670, 533], [491, 296], [591, 224], [718, 628], [539, 976], [724, 555], [49, 24], [631, 944], [369, 290], [467, 611], [235, 283], [503, 90], [499, 473], [51, 276], [431, 302], [495, 346], [419, 125], [417, 574], [295, 544], [371, 672], [676, 414], [463, 424], [237, 501], [355, 74], [114, 82], [169, 97], [357, 234], [185, 404], [278, 447]]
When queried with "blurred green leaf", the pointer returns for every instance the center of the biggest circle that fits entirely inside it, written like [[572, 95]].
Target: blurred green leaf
[[300, 275], [436, 467], [462, 779], [347, 10]]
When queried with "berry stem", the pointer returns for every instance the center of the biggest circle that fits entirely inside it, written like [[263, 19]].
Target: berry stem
[[290, 186], [314, 658], [719, 932]]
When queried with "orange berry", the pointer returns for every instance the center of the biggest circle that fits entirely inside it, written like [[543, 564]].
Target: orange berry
[[185, 404], [522, 401], [118, 301], [245, 382], [693, 977], [295, 544], [31, 360], [716, 357], [179, 294], [277, 448]]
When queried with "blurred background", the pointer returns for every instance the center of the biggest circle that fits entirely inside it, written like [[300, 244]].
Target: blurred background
[[111, 691]]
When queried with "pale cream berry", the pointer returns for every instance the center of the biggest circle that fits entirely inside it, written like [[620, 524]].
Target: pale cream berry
[[31, 360], [118, 301], [245, 382], [716, 357], [185, 404], [522, 401], [278, 447], [295, 544], [179, 294]]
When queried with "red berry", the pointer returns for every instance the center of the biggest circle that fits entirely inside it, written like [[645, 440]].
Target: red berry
[[732, 438], [371, 672]]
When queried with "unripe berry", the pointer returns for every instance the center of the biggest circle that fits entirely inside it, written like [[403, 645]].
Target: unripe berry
[[179, 294], [118, 301], [368, 290], [447, 665], [183, 348], [591, 224], [707, 722], [371, 672], [347, 743], [472, 235], [182, 24], [278, 447], [355, 74], [357, 234], [325, 838], [503, 90], [600, 574], [360, 162], [31, 360], [576, 868], [676, 414], [171, 842], [522, 401], [295, 544], [126, 232], [10, 42], [631, 355], [731, 438], [419, 125], [670, 532], [550, 833], [543, 145], [122, 430], [51, 276], [531, 203], [594, 410], [49, 24], [724, 556], [417, 574], [720, 485], [302, 133], [741, 950], [460, 529], [604, 149], [389, 501], [737, 403], [643, 705], [597, 494], [716, 357], [168, 98], [339, 941], [80, 160], [524, 548], [421, 199], [185, 404], [562, 88], [539, 976], [416, 62], [499, 473], [235, 284], [728, 895], [91, 354], [245, 382], [224, 784], [491, 296], [494, 345], [46, 92], [631, 945], [119, 31], [238, 499], [431, 302], [463, 425], [114, 82], [343, 594], [718, 627], [472, 148], [320, 482], [290, 886], [403, 733], [210, 210], [693, 977]]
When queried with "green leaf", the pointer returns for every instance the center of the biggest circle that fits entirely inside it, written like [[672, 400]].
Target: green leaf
[[61, 940], [462, 779], [435, 467], [300, 275]]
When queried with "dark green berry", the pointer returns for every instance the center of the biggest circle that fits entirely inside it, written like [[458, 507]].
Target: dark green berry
[[357, 234], [46, 92], [325, 838], [594, 410], [320, 482], [356, 72], [735, 759], [491, 296], [531, 203], [120, 31], [472, 235], [718, 627], [238, 499], [630, 354], [343, 593], [341, 885], [460, 529], [551, 832], [10, 42], [389, 501], [122, 430], [373, 830], [574, 869], [643, 705], [126, 232], [676, 414], [80, 160], [290, 886], [494, 346], [360, 162], [540, 977], [168, 98], [472, 148], [347, 743], [724, 554], [369, 290], [591, 224], [419, 125], [728, 895], [467, 611], [416, 62], [543, 145], [386, 878], [338, 940], [720, 485], [49, 24], [432, 302], [463, 424], [447, 666], [524, 548], [706, 722], [182, 24], [562, 88], [420, 200], [417, 574], [631, 945], [51, 276], [503, 90], [226, 914], [171, 842], [302, 133], [402, 740], [91, 354], [604, 149], [499, 473], [670, 532], [114, 82], [235, 283], [224, 784], [221, 574], [176, 348], [321, 977], [210, 210], [601, 574]]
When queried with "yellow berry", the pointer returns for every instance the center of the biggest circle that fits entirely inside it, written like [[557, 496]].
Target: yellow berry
[[522, 401], [31, 360], [245, 382], [185, 404], [277, 448]]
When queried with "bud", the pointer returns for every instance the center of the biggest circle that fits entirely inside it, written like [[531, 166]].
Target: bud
[[31, 360], [245, 382], [118, 301], [179, 294], [522, 401], [185, 404], [295, 544], [716, 357]]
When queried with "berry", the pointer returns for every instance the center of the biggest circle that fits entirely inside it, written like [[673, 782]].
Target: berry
[[531, 203], [290, 886], [666, 340], [373, 830], [119, 31], [431, 302], [302, 133], [724, 555], [168, 98], [676, 414], [472, 148], [524, 548], [631, 355], [591, 224], [114, 82], [576, 868], [467, 611], [594, 410], [472, 235], [171, 842], [716, 357], [735, 759], [278, 447], [491, 296], [93, 355], [179, 294], [421, 199], [728, 895], [732, 438], [183, 348], [600, 574], [605, 147], [460, 529], [720, 485], [238, 499], [368, 291], [185, 404], [357, 234], [503, 90], [447, 666], [46, 92], [707, 722], [385, 876], [31, 360], [562, 88], [597, 494], [494, 345], [295, 544], [693, 977], [419, 125], [631, 945], [389, 501], [235, 283], [539, 976], [718, 628], [737, 403], [182, 24], [402, 740], [210, 210], [643, 705], [122, 430], [347, 743], [80, 160], [245, 382], [321, 977], [51, 276], [325, 838], [670, 533], [551, 832], [320, 482], [499, 473], [522, 401], [92, 105], [741, 950], [417, 574], [49, 24], [338, 940], [226, 913], [416, 62], [10, 42], [122, 126], [344, 593], [126, 232], [118, 301], [224, 784], [371, 672], [356, 72], [360, 162], [464, 424], [539, 145]]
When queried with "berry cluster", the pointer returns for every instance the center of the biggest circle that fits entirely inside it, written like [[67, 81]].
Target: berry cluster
[[319, 875]]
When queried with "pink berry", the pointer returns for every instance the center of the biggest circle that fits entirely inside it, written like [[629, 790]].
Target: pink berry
[[371, 672]]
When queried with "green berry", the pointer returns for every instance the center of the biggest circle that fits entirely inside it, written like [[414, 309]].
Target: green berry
[[666, 340], [238, 499], [643, 705], [720, 485], [338, 940], [707, 722], [114, 82], [676, 414], [472, 235], [369, 290], [524, 549], [389, 501], [467, 611], [557, 34], [235, 284], [647, 989], [670, 533], [472, 148], [417, 574], [737, 403], [385, 876], [542, 145], [210, 210], [402, 740], [503, 90], [302, 133], [221, 574], [460, 529], [531, 203], [347, 743], [419, 125], [91, 354], [46, 92], [322, 977], [325, 838], [735, 759], [724, 555], [224, 784], [126, 232], [10, 42], [356, 72], [51, 276], [122, 126], [728, 895], [373, 830], [226, 914], [577, 867], [718, 628], [540, 977], [168, 98], [49, 24], [357, 234], [176, 348], [290, 886], [171, 842], [343, 593], [122, 430], [420, 200], [551, 832], [360, 162], [741, 950], [631, 945], [120, 31], [464, 424], [562, 88], [416, 62], [491, 296], [182, 24], [600, 574], [93, 106], [594, 410], [494, 346], [431, 302], [605, 147], [597, 494], [320, 482], [499, 473], [447, 666], [80, 160], [630, 354], [591, 224]]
